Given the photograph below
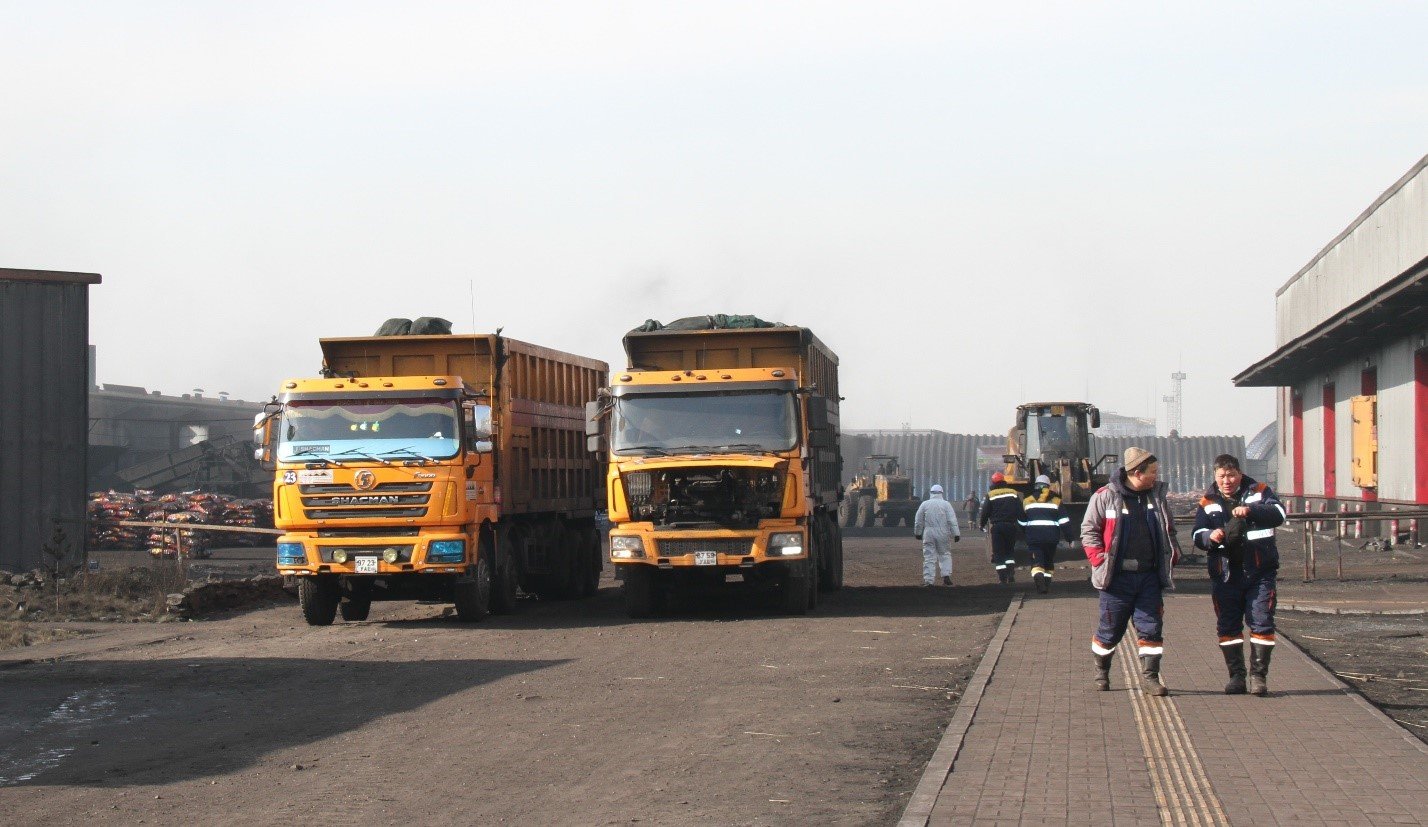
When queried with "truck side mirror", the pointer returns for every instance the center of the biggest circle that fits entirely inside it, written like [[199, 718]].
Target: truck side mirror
[[1095, 417], [263, 425], [595, 440], [478, 428]]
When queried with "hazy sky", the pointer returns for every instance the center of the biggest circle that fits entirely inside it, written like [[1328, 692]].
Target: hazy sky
[[974, 205]]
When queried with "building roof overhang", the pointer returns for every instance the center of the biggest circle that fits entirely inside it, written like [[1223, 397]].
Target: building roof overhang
[[1388, 312]]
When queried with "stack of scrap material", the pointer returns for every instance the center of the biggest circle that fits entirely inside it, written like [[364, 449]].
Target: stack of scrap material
[[166, 543], [106, 508]]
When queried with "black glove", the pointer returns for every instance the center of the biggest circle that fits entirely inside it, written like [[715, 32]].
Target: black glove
[[918, 536], [1235, 530], [957, 538]]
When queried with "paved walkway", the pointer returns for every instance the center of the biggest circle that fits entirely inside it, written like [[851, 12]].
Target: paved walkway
[[1032, 742]]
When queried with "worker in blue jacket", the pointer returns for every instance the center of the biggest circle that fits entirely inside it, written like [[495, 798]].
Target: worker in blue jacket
[[1046, 525], [1235, 525]]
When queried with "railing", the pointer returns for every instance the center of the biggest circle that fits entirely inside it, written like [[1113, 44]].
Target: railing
[[1342, 520]]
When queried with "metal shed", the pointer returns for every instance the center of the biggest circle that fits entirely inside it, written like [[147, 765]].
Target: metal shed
[[44, 414]]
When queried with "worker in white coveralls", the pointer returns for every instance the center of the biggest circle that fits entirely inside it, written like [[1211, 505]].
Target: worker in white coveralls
[[936, 526]]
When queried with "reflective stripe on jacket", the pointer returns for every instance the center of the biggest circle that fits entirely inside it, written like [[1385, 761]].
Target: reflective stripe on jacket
[[1101, 533], [1261, 554]]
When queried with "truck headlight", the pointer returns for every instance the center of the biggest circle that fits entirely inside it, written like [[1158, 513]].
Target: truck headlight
[[446, 551], [291, 554], [627, 548], [786, 544]]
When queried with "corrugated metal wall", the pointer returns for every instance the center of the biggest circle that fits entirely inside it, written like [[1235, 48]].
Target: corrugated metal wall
[[44, 370], [1186, 463], [926, 456], [951, 459]]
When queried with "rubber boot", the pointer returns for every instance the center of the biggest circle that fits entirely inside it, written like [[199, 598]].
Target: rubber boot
[[1011, 574], [1235, 661], [1150, 676], [1103, 672], [1259, 668], [1039, 577], [1001, 576]]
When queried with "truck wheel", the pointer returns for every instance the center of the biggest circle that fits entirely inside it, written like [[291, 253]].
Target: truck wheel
[[318, 597], [866, 507], [472, 595], [793, 594], [594, 561], [503, 583], [814, 580], [848, 511], [639, 591], [353, 610], [831, 556]]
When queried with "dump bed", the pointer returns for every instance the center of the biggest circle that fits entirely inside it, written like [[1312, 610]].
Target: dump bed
[[758, 347], [538, 406]]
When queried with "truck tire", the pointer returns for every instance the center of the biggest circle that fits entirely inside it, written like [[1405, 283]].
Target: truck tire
[[639, 591], [848, 511], [814, 579], [594, 561], [472, 595], [318, 597], [832, 558], [866, 509], [355, 609], [793, 592], [505, 578]]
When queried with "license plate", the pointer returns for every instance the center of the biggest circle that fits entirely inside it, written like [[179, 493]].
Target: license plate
[[366, 565], [706, 558]]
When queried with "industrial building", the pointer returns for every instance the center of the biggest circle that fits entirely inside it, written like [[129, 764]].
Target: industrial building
[[1351, 362], [147, 439], [44, 368]]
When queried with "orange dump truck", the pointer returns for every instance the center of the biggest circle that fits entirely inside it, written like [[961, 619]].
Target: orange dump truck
[[444, 467], [723, 464]]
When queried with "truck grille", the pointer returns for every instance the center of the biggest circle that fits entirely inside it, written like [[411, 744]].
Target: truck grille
[[343, 502], [678, 548]]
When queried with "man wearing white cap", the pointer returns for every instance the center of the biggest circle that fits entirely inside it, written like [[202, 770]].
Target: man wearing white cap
[[936, 526]]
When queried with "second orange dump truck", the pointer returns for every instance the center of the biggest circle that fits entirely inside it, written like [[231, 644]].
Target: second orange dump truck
[[440, 467], [723, 463]]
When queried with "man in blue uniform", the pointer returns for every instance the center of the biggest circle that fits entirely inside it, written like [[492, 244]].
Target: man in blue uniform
[[1046, 524], [1235, 525]]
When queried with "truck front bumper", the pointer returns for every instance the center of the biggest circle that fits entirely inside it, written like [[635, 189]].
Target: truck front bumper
[[305, 553], [642, 544]]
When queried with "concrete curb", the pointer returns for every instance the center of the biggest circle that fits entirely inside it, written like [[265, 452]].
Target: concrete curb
[[939, 766], [1310, 608]]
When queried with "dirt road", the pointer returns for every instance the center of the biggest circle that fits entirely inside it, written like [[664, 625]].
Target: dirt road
[[563, 713]]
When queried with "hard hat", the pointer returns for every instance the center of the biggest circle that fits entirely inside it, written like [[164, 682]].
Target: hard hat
[[937, 489], [1042, 479], [999, 477]]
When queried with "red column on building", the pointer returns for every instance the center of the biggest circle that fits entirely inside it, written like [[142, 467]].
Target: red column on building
[[1296, 420], [1331, 445], [1420, 417]]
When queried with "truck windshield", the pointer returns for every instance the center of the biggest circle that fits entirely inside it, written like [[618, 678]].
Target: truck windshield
[[349, 429], [1047, 433], [707, 422]]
